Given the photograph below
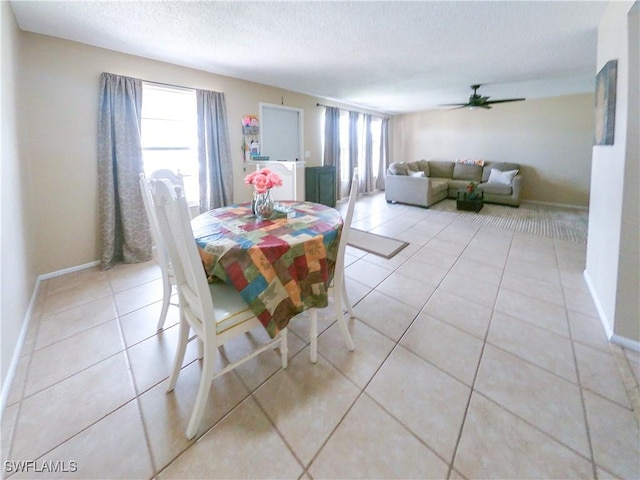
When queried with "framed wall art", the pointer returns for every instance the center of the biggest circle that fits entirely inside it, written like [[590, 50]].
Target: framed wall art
[[606, 103]]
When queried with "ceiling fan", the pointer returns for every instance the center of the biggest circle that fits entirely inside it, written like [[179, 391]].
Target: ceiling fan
[[478, 101]]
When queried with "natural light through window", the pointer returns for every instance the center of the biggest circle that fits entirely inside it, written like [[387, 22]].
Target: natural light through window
[[376, 126], [170, 134]]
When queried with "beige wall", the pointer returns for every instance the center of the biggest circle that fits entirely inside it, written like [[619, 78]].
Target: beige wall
[[18, 272], [551, 138], [59, 134], [612, 252], [628, 298]]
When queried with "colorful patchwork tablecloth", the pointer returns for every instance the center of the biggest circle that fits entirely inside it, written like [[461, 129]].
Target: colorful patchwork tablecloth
[[280, 266]]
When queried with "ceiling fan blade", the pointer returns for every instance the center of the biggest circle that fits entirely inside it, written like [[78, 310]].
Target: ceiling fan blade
[[480, 101], [506, 100]]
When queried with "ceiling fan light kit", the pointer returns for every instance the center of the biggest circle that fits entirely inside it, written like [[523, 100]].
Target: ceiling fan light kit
[[478, 101]]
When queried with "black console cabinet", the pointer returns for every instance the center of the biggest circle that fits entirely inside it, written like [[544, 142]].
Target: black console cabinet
[[320, 185]]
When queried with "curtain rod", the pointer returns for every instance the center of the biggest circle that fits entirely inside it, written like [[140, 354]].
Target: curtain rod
[[167, 84], [153, 82], [357, 111]]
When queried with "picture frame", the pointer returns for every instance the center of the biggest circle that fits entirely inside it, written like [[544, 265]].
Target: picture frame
[[606, 103]]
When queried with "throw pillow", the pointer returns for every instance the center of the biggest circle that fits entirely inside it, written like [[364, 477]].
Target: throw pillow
[[416, 174], [424, 166], [502, 166], [413, 167], [398, 168], [470, 161], [504, 178]]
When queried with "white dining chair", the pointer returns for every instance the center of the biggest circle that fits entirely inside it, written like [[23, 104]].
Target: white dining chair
[[166, 174], [215, 312], [338, 290], [168, 279]]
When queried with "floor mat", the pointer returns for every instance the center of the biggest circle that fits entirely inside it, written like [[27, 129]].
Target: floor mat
[[377, 244]]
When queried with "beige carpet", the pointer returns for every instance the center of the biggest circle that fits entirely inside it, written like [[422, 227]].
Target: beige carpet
[[377, 244], [549, 221]]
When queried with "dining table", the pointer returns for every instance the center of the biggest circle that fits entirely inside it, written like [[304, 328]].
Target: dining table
[[281, 266]]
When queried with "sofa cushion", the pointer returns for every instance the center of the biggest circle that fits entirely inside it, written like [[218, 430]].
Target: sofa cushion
[[416, 174], [440, 169], [504, 178], [399, 168], [455, 185], [502, 166], [496, 188], [438, 186], [462, 171]]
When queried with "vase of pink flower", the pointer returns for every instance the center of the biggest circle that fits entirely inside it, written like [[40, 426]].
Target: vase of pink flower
[[263, 181]]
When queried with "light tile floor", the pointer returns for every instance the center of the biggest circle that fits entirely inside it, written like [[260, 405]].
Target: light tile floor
[[478, 355]]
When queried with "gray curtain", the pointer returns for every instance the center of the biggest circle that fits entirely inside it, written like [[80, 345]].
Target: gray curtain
[[353, 144], [214, 153], [384, 153], [125, 228], [367, 181], [332, 143]]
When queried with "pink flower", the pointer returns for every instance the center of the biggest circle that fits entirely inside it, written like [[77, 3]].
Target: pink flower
[[261, 183], [263, 180], [248, 180], [275, 179]]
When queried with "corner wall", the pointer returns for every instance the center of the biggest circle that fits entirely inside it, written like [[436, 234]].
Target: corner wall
[[613, 258], [551, 138], [18, 272]]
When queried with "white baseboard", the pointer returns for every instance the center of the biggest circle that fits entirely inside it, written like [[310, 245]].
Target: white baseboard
[[17, 353], [64, 271], [559, 205], [625, 342], [608, 328]]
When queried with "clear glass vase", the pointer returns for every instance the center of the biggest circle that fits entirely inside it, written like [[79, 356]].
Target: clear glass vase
[[263, 205]]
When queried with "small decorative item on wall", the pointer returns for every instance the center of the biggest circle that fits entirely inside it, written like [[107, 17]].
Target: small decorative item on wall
[[606, 103], [250, 125], [250, 135]]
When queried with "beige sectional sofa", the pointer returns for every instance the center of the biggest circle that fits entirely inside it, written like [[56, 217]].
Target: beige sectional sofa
[[426, 182]]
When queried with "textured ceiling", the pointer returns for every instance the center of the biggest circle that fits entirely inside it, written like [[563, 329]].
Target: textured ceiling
[[388, 56]]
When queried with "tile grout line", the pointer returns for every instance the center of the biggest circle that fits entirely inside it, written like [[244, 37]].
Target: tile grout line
[[129, 366], [585, 417], [362, 391], [475, 376], [360, 394], [628, 379], [75, 434]]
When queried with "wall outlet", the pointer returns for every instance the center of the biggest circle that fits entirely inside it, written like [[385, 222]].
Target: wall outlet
[[307, 154]]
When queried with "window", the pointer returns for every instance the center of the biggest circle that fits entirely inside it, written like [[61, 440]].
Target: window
[[169, 134], [376, 127], [344, 149]]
